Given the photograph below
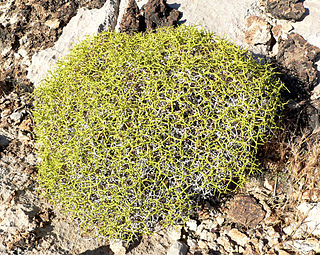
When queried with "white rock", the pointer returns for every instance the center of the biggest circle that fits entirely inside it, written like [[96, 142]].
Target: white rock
[[220, 220], [16, 116], [308, 28], [178, 248], [303, 246], [312, 220], [117, 247], [240, 238], [174, 232], [191, 243], [15, 219], [86, 22], [192, 225]]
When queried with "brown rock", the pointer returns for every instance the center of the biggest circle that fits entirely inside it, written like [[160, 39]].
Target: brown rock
[[258, 31], [285, 9], [247, 211], [132, 20], [29, 26], [158, 14], [297, 57]]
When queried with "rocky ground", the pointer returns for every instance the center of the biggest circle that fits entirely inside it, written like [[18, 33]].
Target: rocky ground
[[275, 213]]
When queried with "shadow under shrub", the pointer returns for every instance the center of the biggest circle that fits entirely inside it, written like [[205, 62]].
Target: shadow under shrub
[[133, 130]]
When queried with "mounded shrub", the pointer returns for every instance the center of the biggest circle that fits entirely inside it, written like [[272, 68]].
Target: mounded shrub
[[134, 130]]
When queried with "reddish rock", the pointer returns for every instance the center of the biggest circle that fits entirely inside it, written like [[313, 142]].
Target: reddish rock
[[132, 20], [297, 57], [158, 14], [247, 211], [285, 9], [258, 31]]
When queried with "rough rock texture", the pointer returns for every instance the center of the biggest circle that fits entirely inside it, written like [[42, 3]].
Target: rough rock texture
[[154, 14], [285, 9], [29, 26], [259, 31], [86, 22], [132, 21], [297, 57], [158, 14], [246, 211]]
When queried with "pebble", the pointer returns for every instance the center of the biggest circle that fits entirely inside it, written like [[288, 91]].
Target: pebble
[[16, 116], [178, 248], [225, 243], [4, 141], [117, 247], [174, 232], [192, 225], [240, 238]]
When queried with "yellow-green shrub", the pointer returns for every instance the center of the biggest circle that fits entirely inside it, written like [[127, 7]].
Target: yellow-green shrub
[[133, 131]]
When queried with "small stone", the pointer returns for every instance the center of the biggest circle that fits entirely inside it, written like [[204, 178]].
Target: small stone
[[174, 232], [191, 243], [178, 248], [240, 238], [247, 211], [258, 31], [4, 141], [202, 244], [303, 246], [220, 220], [192, 225], [16, 116], [311, 213], [225, 243], [117, 247]]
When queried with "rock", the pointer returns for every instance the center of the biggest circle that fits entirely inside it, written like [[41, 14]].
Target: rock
[[247, 211], [16, 116], [4, 141], [178, 248], [192, 225], [174, 232], [308, 28], [220, 220], [117, 247], [86, 22], [240, 238], [258, 31], [15, 219], [311, 212], [225, 243], [297, 57], [282, 252], [132, 20], [29, 26], [281, 29], [158, 14], [288, 9], [154, 14], [303, 246]]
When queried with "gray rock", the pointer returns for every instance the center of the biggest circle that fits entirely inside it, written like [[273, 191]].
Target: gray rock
[[309, 27], [178, 248], [4, 141], [16, 116], [86, 22]]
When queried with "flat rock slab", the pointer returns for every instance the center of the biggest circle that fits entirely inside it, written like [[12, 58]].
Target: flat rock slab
[[227, 19], [245, 210]]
